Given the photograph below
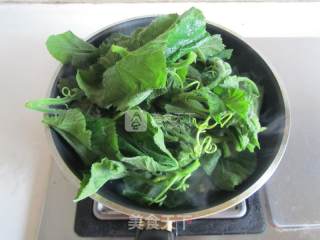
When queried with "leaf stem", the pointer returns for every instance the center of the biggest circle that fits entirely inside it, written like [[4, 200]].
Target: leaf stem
[[189, 60], [166, 189], [42, 105], [196, 82], [176, 77]]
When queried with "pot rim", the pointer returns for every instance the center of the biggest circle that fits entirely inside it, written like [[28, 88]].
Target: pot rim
[[198, 213]]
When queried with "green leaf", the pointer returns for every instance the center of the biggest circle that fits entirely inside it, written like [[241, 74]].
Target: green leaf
[[139, 38], [72, 122], [104, 137], [68, 48], [136, 187], [210, 161], [225, 54], [134, 100], [194, 73], [153, 133], [119, 50], [247, 133], [157, 134], [187, 107], [151, 142], [237, 101], [115, 38], [220, 70], [243, 83], [100, 173], [51, 105], [180, 131], [132, 147], [181, 68], [242, 96], [182, 38], [127, 148], [71, 125], [157, 27], [155, 94], [92, 75], [201, 101], [212, 46], [146, 163], [85, 154], [139, 71], [145, 190], [214, 103], [230, 172]]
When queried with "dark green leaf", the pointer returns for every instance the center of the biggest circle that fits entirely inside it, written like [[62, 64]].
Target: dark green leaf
[[104, 137], [209, 161], [194, 73], [152, 143], [220, 70], [241, 82], [237, 101], [182, 38], [100, 173], [119, 50], [157, 134], [156, 28], [68, 48], [212, 46], [139, 71], [200, 101], [72, 122], [85, 154], [230, 172], [146, 163]]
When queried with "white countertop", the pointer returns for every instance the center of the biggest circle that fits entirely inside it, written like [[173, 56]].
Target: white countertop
[[26, 70]]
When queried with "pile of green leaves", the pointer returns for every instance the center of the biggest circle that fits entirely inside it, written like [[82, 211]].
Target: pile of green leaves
[[198, 114]]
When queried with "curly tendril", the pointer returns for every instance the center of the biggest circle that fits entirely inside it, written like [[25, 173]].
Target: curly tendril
[[205, 145], [43, 105], [66, 92], [226, 117], [195, 82], [208, 146]]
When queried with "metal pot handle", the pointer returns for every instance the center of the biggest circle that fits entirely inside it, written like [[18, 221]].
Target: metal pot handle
[[150, 231], [154, 234]]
